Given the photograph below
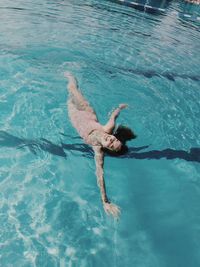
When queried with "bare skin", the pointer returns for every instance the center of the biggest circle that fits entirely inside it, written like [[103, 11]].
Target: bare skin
[[97, 135]]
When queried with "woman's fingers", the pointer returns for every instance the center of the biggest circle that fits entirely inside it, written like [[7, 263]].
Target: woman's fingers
[[122, 106], [112, 209]]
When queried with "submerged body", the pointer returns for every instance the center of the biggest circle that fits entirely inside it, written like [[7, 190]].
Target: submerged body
[[84, 120]]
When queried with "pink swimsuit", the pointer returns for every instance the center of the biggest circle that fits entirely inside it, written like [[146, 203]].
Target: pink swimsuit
[[84, 121]]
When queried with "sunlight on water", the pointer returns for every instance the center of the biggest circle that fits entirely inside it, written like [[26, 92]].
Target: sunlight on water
[[50, 209]]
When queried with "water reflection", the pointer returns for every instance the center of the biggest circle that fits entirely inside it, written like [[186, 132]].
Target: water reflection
[[149, 6], [189, 12]]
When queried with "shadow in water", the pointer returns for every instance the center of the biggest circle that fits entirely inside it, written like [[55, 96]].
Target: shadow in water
[[171, 76], [168, 75], [34, 146], [150, 73], [8, 140], [192, 155]]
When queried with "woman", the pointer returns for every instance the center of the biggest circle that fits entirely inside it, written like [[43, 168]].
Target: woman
[[100, 137]]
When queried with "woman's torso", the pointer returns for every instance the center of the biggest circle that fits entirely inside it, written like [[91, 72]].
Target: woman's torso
[[85, 122]]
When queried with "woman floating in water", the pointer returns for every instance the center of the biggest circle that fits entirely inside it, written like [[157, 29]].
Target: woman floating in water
[[100, 137]]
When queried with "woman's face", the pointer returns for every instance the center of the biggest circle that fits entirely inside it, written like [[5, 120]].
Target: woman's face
[[111, 142]]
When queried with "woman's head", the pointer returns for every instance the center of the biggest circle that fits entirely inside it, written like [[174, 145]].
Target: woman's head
[[115, 145], [110, 142]]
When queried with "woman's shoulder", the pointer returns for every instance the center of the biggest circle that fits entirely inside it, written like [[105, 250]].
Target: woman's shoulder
[[94, 137]]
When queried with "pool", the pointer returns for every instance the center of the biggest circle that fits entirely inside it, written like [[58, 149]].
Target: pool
[[50, 209]]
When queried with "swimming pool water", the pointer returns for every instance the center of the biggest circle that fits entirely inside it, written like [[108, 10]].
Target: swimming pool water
[[50, 209]]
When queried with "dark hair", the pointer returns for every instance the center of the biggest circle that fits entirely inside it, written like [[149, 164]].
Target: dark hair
[[123, 134]]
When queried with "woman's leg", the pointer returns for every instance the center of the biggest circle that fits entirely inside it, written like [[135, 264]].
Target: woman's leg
[[76, 96]]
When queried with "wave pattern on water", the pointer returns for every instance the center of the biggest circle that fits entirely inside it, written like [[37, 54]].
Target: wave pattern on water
[[50, 210]]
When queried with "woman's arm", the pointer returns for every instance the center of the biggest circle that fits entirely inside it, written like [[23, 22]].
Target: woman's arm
[[109, 208], [109, 126]]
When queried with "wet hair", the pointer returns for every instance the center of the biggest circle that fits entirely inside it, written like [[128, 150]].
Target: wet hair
[[123, 134]]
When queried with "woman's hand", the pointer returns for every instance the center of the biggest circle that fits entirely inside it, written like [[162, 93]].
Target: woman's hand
[[111, 209], [117, 110], [68, 74], [123, 106]]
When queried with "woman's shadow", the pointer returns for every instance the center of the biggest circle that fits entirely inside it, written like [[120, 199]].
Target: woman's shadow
[[9, 140]]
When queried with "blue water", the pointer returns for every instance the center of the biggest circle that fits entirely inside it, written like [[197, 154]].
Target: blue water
[[50, 209]]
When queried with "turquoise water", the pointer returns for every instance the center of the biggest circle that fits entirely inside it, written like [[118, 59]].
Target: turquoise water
[[50, 209]]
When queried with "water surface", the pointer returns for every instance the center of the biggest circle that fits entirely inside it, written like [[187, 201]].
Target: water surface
[[50, 209]]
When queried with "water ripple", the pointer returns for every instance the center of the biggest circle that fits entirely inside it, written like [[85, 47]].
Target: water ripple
[[50, 210]]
